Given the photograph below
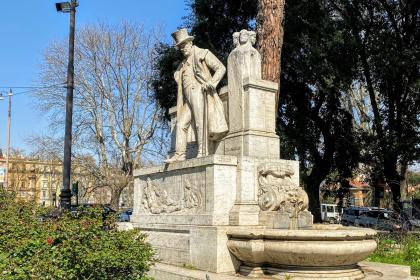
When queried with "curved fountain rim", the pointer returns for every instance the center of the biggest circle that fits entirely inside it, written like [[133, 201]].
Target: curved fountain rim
[[327, 234]]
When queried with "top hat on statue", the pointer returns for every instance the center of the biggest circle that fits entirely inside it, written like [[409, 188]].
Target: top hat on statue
[[181, 37]]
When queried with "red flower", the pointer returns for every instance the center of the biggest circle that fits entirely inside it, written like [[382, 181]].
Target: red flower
[[50, 240]]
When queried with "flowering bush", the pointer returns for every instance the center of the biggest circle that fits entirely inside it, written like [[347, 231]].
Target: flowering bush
[[37, 245]]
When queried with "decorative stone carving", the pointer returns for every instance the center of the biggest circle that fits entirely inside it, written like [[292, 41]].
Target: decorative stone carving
[[157, 201], [277, 192], [250, 103], [192, 196], [244, 61]]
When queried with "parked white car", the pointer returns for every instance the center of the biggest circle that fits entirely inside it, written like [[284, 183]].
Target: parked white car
[[330, 213]]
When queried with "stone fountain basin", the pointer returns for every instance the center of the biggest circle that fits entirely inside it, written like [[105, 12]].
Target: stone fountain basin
[[320, 246]]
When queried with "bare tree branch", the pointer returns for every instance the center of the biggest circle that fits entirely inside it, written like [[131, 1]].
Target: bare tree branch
[[116, 117]]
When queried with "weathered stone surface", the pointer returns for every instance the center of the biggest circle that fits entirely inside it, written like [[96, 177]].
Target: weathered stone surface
[[201, 247], [322, 252], [199, 191], [252, 130], [246, 210], [230, 212], [281, 220]]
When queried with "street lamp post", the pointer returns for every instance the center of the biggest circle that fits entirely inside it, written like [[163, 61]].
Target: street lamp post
[[65, 196], [9, 116], [2, 98]]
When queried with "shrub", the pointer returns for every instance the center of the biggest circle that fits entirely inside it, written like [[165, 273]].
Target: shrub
[[399, 248], [37, 245]]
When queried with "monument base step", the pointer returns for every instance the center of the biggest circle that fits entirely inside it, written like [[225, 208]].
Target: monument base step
[[372, 271]]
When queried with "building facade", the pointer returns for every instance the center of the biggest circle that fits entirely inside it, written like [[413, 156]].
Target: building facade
[[41, 181]]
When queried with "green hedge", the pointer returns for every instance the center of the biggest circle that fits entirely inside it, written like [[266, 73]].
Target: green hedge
[[68, 247], [399, 248]]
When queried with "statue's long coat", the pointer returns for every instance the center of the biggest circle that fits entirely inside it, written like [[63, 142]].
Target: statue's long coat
[[203, 61]]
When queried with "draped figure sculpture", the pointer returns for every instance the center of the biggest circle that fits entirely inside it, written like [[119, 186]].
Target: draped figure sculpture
[[244, 62]]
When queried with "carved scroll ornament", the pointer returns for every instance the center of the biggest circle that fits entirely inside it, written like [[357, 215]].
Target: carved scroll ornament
[[277, 191]]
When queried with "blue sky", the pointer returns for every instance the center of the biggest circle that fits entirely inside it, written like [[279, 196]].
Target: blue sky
[[27, 27]]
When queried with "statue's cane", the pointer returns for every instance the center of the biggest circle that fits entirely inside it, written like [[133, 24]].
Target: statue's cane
[[204, 144]]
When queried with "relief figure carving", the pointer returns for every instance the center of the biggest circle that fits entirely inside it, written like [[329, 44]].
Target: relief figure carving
[[192, 196], [157, 201]]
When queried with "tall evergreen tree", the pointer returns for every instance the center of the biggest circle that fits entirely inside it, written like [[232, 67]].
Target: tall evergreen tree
[[270, 32], [317, 69]]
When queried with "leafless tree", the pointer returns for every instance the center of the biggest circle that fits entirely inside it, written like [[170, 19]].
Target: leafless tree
[[116, 117], [45, 147], [358, 105]]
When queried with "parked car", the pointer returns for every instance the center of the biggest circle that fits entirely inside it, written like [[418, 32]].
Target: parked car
[[351, 214], [380, 219], [411, 214], [330, 213], [125, 215], [106, 209]]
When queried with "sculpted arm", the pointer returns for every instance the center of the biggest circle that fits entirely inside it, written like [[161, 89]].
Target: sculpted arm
[[176, 75], [214, 64]]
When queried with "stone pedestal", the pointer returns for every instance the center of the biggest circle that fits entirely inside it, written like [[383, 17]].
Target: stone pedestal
[[246, 210], [184, 209], [252, 121], [198, 191], [252, 138], [187, 207]]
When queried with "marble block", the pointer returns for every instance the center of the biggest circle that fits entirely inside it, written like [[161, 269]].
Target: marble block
[[247, 210], [252, 121], [198, 191], [198, 247]]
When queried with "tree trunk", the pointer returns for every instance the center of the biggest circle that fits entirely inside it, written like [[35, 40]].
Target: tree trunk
[[403, 181], [312, 188], [392, 178], [115, 197], [270, 37]]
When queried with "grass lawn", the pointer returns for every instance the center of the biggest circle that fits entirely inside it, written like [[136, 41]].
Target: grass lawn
[[399, 248]]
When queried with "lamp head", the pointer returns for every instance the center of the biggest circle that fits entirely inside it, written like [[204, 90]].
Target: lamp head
[[65, 7]]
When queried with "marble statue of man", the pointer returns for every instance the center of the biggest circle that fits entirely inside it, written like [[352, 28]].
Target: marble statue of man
[[198, 104]]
